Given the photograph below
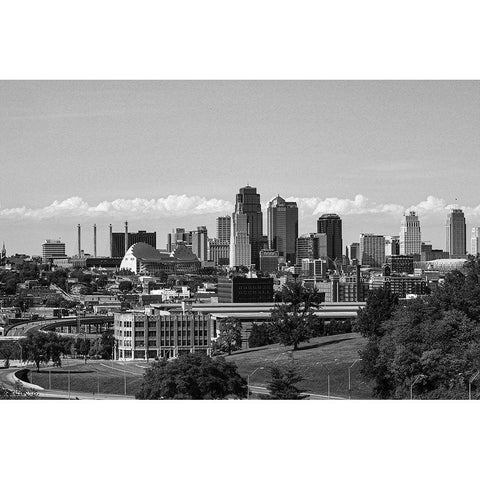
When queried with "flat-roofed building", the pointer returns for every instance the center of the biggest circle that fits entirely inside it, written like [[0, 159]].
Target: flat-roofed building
[[165, 335], [52, 249]]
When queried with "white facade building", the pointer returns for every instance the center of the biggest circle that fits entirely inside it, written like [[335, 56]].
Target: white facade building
[[410, 235], [240, 247]]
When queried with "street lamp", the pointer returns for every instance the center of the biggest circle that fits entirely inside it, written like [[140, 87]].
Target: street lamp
[[417, 378], [472, 379], [349, 377], [328, 379], [248, 380]]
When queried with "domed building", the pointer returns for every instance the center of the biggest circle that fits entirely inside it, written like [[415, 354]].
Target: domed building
[[143, 259]]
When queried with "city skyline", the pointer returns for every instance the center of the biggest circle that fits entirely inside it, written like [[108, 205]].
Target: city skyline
[[162, 153]]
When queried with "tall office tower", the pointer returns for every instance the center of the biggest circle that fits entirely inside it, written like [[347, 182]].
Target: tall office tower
[[331, 224], [224, 228], [240, 247], [353, 252], [282, 227], [311, 246], [392, 245], [200, 243], [475, 241], [372, 249], [456, 233], [248, 203], [53, 249], [118, 240], [410, 237]]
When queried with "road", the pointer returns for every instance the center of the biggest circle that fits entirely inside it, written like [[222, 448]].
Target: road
[[311, 396]]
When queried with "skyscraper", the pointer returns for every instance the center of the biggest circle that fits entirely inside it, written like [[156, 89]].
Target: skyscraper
[[224, 228], [240, 247], [410, 236], [372, 249], [475, 241], [392, 245], [247, 204], [456, 231], [331, 224], [311, 246], [53, 249], [200, 243], [282, 227]]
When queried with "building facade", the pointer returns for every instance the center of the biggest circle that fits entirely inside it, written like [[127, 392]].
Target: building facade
[[245, 290], [53, 249], [164, 335], [117, 249], [219, 252], [410, 235], [200, 243], [311, 246], [475, 241], [224, 225], [269, 260], [456, 234], [240, 247], [372, 249], [331, 225], [247, 205], [392, 245], [282, 227]]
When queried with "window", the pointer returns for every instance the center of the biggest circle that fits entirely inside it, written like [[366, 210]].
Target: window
[[152, 333]]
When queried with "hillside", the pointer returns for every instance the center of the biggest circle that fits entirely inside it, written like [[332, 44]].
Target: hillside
[[336, 353]]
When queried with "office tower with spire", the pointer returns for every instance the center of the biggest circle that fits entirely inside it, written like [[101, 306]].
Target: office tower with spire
[[475, 241], [331, 224], [456, 233], [282, 227], [240, 247], [247, 219], [410, 236]]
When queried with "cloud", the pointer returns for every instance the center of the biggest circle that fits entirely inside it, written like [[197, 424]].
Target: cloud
[[173, 205], [183, 205]]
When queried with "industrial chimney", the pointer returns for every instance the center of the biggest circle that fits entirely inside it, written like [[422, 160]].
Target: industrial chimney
[[95, 240], [111, 241], [126, 237], [79, 240]]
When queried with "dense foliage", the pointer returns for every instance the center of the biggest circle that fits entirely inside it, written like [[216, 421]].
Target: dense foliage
[[41, 347], [292, 320], [282, 385], [192, 376], [428, 347], [230, 336]]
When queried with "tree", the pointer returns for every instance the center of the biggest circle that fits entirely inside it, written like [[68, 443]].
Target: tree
[[292, 319], [230, 337], [434, 340], [192, 376], [103, 346], [283, 383], [35, 348], [260, 335], [6, 352], [40, 347]]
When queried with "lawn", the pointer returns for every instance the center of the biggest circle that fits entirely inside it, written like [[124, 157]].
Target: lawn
[[99, 376], [313, 359]]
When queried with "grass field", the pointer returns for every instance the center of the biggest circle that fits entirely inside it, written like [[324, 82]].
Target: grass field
[[314, 360], [335, 353], [97, 376]]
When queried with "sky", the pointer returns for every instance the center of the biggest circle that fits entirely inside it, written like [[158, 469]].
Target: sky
[[166, 154]]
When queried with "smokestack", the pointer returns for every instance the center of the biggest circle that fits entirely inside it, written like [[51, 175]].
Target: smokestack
[[79, 240], [111, 241], [126, 237], [95, 240]]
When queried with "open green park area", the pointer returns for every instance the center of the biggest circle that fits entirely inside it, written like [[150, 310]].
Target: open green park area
[[316, 360], [320, 360], [96, 376]]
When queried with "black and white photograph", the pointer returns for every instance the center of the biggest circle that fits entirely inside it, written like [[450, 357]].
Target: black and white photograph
[[289, 255]]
